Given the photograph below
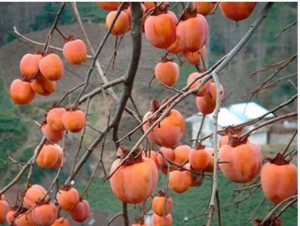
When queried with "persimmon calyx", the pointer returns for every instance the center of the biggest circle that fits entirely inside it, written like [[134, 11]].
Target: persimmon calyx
[[135, 157], [279, 159], [188, 13], [235, 141], [231, 130]]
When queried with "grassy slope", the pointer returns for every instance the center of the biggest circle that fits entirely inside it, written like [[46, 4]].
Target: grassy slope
[[194, 202]]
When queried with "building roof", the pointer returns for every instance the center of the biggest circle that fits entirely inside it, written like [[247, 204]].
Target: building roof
[[236, 114]]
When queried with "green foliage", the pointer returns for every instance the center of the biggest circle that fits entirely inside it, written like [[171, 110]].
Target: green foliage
[[91, 12], [11, 127]]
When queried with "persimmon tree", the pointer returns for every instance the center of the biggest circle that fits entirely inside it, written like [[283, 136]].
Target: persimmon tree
[[134, 174]]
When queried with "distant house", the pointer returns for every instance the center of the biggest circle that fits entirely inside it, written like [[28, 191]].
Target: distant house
[[230, 116]]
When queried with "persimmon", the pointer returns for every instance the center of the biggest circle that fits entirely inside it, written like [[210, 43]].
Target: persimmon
[[180, 181], [176, 47], [67, 198], [152, 155], [192, 32], [194, 79], [199, 158], [204, 8], [149, 5], [44, 214], [4, 208], [206, 104], [108, 6], [237, 11], [10, 216], [211, 163], [54, 118], [81, 211], [167, 153], [73, 120], [43, 86], [51, 134], [50, 156], [162, 204], [134, 181], [195, 57], [61, 221], [197, 177], [279, 179], [181, 153], [51, 67], [160, 28], [167, 72], [21, 92], [122, 24], [29, 65], [169, 131], [162, 221], [228, 132], [22, 219], [33, 195], [240, 161], [75, 51]]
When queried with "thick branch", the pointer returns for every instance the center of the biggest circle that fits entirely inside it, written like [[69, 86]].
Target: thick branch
[[134, 61]]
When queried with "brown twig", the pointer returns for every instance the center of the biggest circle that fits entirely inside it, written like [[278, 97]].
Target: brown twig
[[286, 28]]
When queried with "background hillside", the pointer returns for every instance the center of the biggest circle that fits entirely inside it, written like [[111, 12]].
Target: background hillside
[[18, 130]]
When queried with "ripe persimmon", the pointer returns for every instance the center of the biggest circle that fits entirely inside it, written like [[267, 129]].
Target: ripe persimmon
[[81, 211], [180, 181], [73, 120], [4, 208], [169, 131], [44, 214], [237, 11], [54, 118], [204, 8], [122, 24], [75, 51], [19, 219], [67, 198], [206, 104], [52, 135], [192, 32], [51, 67], [21, 92], [199, 158], [29, 65], [240, 161], [160, 28], [162, 204], [195, 57], [61, 221], [181, 153], [194, 79], [279, 179], [43, 86], [167, 72], [134, 181], [108, 6], [50, 156], [33, 195], [161, 221], [166, 153]]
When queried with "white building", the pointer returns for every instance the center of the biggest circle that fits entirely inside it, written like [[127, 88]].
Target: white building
[[230, 116]]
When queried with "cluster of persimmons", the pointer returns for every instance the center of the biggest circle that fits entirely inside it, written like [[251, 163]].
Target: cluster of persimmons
[[134, 175], [40, 72]]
